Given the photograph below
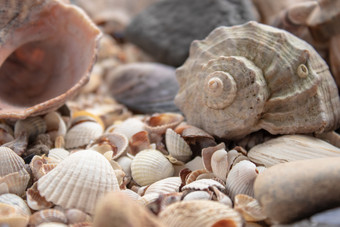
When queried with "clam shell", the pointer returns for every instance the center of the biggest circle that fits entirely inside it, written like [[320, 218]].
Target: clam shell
[[55, 125], [16, 182], [199, 213], [49, 64], [10, 162], [48, 215], [10, 216], [149, 166], [203, 184], [129, 127], [241, 179], [58, 154], [15, 201], [221, 197], [197, 195], [82, 134], [219, 164], [159, 123], [139, 141], [164, 186], [176, 146], [289, 148], [78, 181], [231, 105], [249, 208], [207, 154]]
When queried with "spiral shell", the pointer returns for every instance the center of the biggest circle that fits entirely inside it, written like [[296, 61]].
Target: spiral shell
[[244, 78]]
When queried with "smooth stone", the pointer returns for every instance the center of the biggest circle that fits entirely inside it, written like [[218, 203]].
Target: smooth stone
[[295, 190], [166, 29]]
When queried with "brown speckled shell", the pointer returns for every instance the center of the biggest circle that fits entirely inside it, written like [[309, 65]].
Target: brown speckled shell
[[244, 78]]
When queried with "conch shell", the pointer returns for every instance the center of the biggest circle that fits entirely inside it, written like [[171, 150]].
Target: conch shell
[[47, 50], [244, 78]]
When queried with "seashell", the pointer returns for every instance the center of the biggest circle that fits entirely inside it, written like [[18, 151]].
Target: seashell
[[129, 127], [55, 125], [77, 216], [221, 197], [58, 154], [232, 105], [78, 181], [197, 195], [203, 184], [133, 195], [235, 157], [149, 166], [199, 213], [49, 64], [35, 201], [53, 224], [15, 183], [125, 164], [85, 116], [207, 154], [165, 186], [144, 87], [219, 164], [10, 216], [6, 134], [118, 143], [240, 179], [249, 208], [192, 176], [148, 198], [82, 134], [48, 215], [139, 141], [195, 164], [10, 162], [15, 201], [159, 123], [118, 209], [289, 148], [176, 146]]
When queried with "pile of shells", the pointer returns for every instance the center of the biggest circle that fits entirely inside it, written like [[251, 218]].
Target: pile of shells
[[254, 143]]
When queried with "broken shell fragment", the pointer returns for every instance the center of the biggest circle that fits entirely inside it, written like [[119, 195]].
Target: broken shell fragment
[[48, 215], [176, 146], [48, 64], [35, 201], [249, 208]]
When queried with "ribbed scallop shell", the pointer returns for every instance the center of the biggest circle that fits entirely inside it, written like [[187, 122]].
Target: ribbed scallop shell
[[244, 78], [291, 148], [10, 162], [176, 146], [241, 179], [199, 213], [15, 183], [249, 208], [167, 185], [203, 184], [78, 181], [31, 126], [58, 154], [48, 215], [82, 134], [16, 201], [149, 166]]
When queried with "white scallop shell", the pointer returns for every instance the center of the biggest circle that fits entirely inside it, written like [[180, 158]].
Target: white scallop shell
[[82, 134], [176, 146], [129, 127], [167, 185], [35, 201], [58, 153], [149, 166], [240, 179], [10, 162], [78, 181], [199, 213], [203, 184], [15, 183]]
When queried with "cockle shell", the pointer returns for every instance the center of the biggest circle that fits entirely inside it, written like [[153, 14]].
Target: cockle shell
[[43, 65], [76, 216], [199, 213], [203, 184], [16, 201], [249, 208], [15, 183], [48, 215], [10, 162], [82, 134], [244, 78], [78, 181], [176, 146], [58, 154], [149, 166], [11, 217], [167, 185]]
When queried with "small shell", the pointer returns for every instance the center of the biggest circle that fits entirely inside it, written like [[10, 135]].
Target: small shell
[[15, 201], [191, 177], [219, 164], [85, 116], [76, 216], [82, 134], [31, 126], [48, 215], [133, 195], [164, 186], [159, 123], [176, 146], [10, 162], [241, 179], [207, 154], [199, 213], [148, 198], [35, 201], [55, 125], [221, 197], [10, 216], [78, 181], [125, 164], [16, 182], [197, 195], [195, 164], [203, 184], [128, 127], [58, 153], [249, 208], [6, 134], [291, 148], [149, 166]]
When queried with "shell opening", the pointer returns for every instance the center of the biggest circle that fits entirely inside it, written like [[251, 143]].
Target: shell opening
[[302, 71]]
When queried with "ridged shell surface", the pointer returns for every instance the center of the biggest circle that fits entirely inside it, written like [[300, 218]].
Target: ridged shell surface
[[10, 162], [78, 181], [199, 213], [176, 146], [82, 134], [167, 185], [16, 201], [150, 166], [244, 78]]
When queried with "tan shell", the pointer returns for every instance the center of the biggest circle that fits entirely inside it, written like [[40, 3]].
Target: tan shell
[[48, 215], [207, 154], [35, 201], [49, 63], [334, 58], [176, 146], [232, 84], [128, 127], [291, 148], [241, 179], [15, 201], [15, 183], [10, 162], [196, 195], [77, 216], [148, 198], [78, 181], [6, 133], [10, 216], [249, 208], [139, 141], [219, 164], [167, 185], [55, 125], [149, 166], [82, 134], [199, 213], [160, 122]]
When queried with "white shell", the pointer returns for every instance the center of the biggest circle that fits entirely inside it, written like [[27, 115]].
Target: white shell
[[15, 183], [167, 185], [31, 126], [35, 201], [10, 162], [176, 146], [78, 181], [128, 127], [149, 166], [55, 125], [195, 164], [196, 195], [58, 153], [219, 164], [125, 164], [82, 134], [203, 184], [16, 201], [48, 215], [148, 198]]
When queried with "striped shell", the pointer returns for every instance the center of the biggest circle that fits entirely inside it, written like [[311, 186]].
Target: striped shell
[[244, 78], [10, 162], [15, 201], [78, 181], [176, 146], [48, 215], [82, 134], [10, 216], [167, 185]]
